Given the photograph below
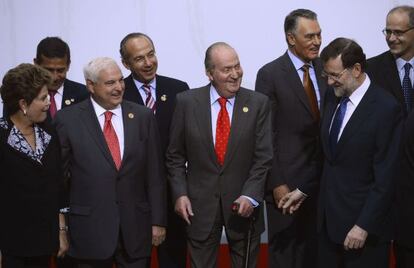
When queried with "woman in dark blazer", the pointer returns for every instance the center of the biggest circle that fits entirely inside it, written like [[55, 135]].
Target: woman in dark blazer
[[31, 180]]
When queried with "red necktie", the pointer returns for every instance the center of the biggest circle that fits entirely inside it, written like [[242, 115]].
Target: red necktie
[[150, 101], [222, 131], [112, 139], [310, 91], [52, 108]]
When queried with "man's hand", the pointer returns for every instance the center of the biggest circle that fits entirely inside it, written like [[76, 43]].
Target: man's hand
[[63, 244], [355, 238], [245, 207], [183, 208], [279, 192], [158, 235], [291, 201]]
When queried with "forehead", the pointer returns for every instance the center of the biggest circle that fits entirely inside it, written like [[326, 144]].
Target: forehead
[[398, 18], [223, 56], [111, 72], [138, 45], [305, 25], [53, 62], [334, 65]]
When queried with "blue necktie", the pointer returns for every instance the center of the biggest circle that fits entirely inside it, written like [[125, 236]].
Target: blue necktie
[[407, 88], [337, 123]]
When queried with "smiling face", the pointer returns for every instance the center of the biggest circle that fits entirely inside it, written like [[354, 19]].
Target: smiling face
[[141, 59], [305, 41], [226, 74], [403, 44], [37, 109], [109, 88]]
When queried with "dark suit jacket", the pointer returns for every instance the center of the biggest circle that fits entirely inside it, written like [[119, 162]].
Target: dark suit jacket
[[202, 179], [405, 188], [103, 200], [382, 70], [297, 157], [31, 195], [166, 89], [358, 181]]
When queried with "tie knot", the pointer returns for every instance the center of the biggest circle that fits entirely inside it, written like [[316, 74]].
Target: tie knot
[[52, 93], [108, 115], [305, 67], [344, 100], [407, 67], [222, 102], [146, 88]]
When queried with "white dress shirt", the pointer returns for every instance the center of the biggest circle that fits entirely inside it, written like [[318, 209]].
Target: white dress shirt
[[116, 121], [58, 98], [142, 92]]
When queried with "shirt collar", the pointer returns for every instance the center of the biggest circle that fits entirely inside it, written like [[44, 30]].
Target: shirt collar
[[140, 84], [214, 96], [359, 93], [400, 63], [298, 63], [99, 110]]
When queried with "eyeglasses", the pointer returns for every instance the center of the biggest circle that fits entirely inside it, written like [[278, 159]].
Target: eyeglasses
[[334, 77], [396, 33]]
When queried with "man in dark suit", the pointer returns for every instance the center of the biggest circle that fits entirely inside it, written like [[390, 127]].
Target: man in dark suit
[[388, 68], [360, 135], [220, 153], [138, 55], [111, 152], [53, 54], [296, 91]]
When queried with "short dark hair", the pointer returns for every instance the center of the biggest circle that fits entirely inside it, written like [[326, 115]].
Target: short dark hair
[[351, 53], [208, 63], [52, 47], [122, 46], [291, 20], [407, 9], [23, 82]]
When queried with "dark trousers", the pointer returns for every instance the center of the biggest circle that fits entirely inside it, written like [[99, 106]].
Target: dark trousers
[[203, 254], [374, 254], [8, 261], [172, 253], [404, 256], [294, 246]]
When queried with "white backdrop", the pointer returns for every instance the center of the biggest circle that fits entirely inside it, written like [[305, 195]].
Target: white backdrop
[[181, 29]]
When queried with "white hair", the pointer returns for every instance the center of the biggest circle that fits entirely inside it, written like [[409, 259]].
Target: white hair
[[94, 67]]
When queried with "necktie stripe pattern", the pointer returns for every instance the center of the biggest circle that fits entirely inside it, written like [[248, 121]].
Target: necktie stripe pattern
[[222, 131], [407, 88], [149, 101], [52, 107], [337, 123], [310, 92], [112, 139]]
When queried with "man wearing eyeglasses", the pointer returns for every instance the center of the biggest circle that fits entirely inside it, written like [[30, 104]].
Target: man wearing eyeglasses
[[360, 135], [393, 69], [294, 86]]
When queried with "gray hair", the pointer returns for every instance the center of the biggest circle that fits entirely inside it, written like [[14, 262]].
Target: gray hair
[[208, 63], [94, 67], [291, 20], [409, 10]]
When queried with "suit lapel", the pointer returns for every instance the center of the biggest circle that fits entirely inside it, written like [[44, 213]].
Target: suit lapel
[[128, 130], [237, 124], [131, 91], [332, 103], [295, 84], [161, 92], [91, 123], [202, 112], [394, 83]]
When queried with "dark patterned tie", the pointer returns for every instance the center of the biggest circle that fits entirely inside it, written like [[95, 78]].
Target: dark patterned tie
[[222, 131], [337, 123], [310, 91], [407, 88]]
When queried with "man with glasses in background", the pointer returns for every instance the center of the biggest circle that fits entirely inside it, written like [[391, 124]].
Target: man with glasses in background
[[393, 69]]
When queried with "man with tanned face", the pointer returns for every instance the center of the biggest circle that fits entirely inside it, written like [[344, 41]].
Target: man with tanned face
[[145, 87], [296, 92], [53, 54]]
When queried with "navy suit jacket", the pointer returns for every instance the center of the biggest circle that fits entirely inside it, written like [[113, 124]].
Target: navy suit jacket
[[357, 182]]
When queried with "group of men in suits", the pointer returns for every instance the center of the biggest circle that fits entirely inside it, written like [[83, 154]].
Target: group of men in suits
[[319, 140]]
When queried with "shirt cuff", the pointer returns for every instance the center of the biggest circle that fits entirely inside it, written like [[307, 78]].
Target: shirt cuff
[[254, 202], [302, 192]]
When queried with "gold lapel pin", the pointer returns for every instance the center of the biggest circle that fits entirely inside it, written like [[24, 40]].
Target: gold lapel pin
[[68, 102], [245, 109], [164, 97], [131, 115]]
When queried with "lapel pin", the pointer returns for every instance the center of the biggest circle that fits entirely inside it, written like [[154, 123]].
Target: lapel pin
[[245, 109], [164, 97], [68, 102], [131, 115]]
